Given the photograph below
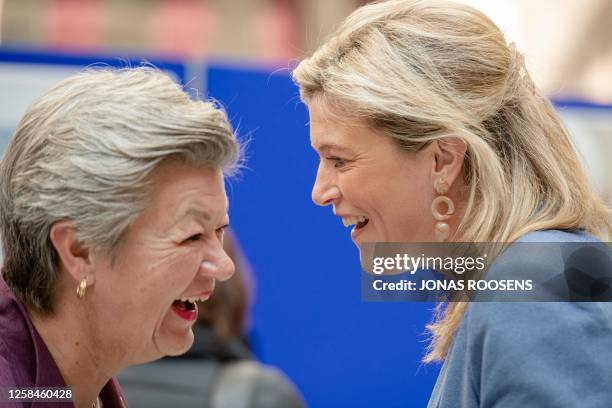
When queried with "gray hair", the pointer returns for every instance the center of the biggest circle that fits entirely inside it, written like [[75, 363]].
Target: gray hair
[[84, 152]]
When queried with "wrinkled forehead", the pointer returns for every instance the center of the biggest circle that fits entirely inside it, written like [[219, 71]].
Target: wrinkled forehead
[[181, 190], [206, 210]]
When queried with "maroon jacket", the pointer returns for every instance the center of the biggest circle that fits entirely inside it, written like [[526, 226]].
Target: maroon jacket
[[25, 360]]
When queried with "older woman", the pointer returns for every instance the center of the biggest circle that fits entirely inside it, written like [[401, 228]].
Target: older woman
[[113, 211], [219, 370], [429, 128]]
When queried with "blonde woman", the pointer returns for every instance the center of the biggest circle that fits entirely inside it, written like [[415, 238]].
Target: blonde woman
[[411, 101]]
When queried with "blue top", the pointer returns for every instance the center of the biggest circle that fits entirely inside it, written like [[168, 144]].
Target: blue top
[[528, 354]]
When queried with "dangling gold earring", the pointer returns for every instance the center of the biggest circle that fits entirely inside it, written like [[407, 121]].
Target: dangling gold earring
[[442, 229], [82, 289]]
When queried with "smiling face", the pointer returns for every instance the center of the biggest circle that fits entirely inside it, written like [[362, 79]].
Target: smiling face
[[369, 181], [173, 250]]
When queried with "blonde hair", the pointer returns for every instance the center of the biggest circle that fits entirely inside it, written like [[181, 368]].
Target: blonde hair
[[423, 70]]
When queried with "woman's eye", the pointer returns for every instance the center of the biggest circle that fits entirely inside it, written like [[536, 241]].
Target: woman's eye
[[221, 231], [338, 162], [194, 238]]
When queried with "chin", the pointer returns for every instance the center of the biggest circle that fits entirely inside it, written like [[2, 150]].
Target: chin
[[174, 344]]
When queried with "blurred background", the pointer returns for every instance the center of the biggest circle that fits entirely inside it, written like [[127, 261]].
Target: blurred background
[[307, 317], [567, 42]]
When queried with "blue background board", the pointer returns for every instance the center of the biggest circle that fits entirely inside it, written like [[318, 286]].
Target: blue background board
[[24, 56], [309, 318]]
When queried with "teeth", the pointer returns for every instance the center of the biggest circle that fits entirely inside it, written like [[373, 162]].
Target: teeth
[[194, 299], [353, 220]]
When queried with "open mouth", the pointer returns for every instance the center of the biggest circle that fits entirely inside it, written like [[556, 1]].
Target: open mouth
[[183, 305], [186, 309], [361, 224], [359, 221]]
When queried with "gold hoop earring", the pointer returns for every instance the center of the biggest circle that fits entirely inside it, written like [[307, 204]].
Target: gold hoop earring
[[442, 229], [82, 289]]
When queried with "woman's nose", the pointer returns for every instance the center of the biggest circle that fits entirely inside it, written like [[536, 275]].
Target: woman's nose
[[324, 192], [220, 267]]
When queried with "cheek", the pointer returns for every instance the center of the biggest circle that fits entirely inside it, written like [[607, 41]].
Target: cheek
[[164, 280], [411, 203], [360, 190], [180, 270], [402, 207]]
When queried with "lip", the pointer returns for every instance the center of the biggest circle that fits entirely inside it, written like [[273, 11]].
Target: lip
[[205, 294], [188, 315], [355, 233], [341, 215]]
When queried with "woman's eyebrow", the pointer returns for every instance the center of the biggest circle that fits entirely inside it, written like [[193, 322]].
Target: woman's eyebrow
[[327, 147], [199, 215]]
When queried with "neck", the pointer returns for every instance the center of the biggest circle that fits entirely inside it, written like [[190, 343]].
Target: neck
[[73, 340]]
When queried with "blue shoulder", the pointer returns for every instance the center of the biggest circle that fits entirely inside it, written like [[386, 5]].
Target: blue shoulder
[[535, 353], [562, 265], [558, 236]]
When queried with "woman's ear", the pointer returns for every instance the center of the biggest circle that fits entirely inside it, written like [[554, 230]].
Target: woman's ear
[[74, 255], [449, 155]]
